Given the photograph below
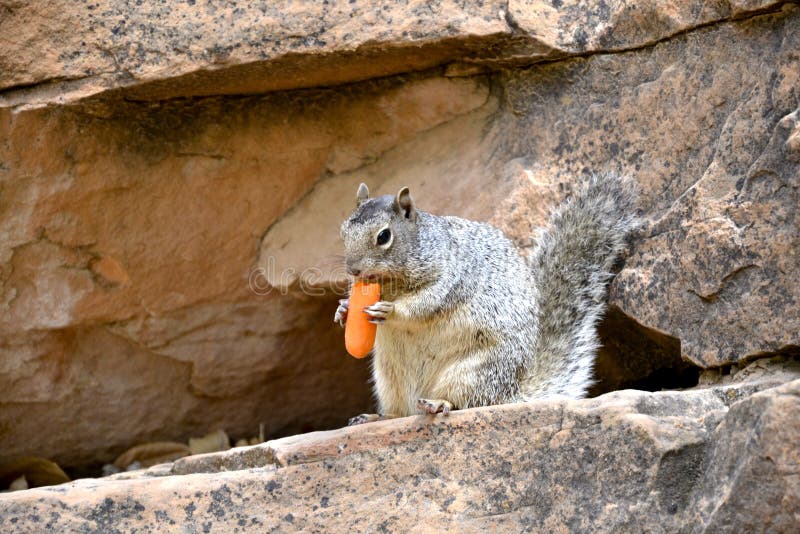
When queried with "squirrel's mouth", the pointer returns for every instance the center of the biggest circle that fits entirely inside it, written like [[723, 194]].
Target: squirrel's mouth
[[373, 277]]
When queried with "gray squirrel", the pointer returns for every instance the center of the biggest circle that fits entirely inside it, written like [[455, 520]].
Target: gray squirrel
[[464, 319]]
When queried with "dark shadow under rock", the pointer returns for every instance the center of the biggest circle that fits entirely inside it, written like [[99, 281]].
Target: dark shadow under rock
[[633, 356]]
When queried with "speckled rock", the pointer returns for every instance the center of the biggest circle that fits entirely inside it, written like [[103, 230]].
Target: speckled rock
[[626, 461], [756, 450]]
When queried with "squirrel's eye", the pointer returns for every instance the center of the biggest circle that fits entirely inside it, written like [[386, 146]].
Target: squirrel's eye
[[384, 236]]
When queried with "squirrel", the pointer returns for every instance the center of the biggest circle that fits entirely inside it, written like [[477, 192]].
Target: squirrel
[[464, 319]]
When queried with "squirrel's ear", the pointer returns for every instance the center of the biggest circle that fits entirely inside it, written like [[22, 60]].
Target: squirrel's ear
[[362, 195], [405, 204]]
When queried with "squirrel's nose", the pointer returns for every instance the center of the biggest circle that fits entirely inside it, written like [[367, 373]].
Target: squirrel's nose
[[352, 269]]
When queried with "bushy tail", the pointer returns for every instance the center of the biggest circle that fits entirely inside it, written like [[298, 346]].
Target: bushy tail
[[572, 266]]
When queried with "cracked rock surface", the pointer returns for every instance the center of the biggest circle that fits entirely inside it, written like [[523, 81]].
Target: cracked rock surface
[[626, 461], [172, 178], [60, 51], [706, 128]]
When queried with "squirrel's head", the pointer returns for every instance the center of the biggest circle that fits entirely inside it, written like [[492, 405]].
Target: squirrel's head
[[380, 236]]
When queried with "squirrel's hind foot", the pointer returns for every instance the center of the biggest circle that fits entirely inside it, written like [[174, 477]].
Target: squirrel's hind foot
[[433, 406]]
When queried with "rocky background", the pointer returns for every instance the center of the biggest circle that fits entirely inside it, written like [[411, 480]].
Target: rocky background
[[172, 178]]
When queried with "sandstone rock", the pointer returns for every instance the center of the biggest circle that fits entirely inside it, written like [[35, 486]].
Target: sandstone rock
[[298, 249], [107, 293], [670, 461], [755, 449], [700, 124], [30, 472], [59, 51], [163, 51]]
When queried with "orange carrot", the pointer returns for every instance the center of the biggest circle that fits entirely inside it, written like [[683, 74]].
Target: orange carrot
[[359, 333]]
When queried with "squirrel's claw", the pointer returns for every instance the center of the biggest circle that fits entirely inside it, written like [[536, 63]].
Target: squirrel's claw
[[341, 312], [433, 406], [379, 311]]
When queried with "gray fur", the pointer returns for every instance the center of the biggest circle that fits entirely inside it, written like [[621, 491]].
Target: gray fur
[[465, 320]]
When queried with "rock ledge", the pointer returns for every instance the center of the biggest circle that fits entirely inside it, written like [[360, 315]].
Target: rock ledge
[[627, 460]]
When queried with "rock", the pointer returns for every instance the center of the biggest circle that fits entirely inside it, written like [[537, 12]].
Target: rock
[[701, 125], [755, 448], [109, 270], [164, 51], [30, 472], [20, 483], [168, 229], [299, 251], [628, 460], [62, 52], [633, 356]]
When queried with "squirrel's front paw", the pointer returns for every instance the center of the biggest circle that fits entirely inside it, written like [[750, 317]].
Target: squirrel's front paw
[[432, 406], [379, 311], [341, 312]]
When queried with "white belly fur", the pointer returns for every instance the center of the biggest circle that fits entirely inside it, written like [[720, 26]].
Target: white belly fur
[[413, 361]]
